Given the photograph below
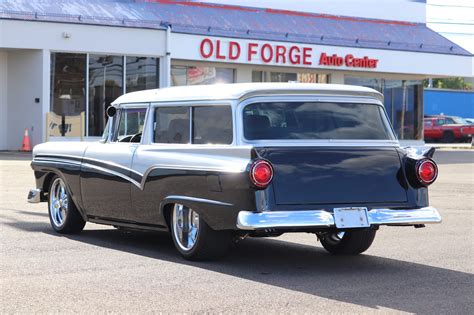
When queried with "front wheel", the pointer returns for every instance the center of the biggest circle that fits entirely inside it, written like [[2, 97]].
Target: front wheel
[[193, 238], [63, 214], [351, 242]]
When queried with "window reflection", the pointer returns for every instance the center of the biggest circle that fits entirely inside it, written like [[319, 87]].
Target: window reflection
[[302, 77], [68, 72], [403, 102], [105, 85], [187, 75], [142, 73]]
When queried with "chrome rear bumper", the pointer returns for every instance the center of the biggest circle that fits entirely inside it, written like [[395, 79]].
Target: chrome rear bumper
[[247, 220], [34, 196]]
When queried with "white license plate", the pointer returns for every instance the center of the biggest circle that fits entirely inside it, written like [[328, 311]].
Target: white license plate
[[351, 217]]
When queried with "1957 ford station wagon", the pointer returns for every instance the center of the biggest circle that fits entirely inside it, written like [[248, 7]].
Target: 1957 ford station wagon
[[213, 164]]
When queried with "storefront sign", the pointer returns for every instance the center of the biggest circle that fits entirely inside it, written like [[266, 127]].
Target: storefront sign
[[71, 126], [294, 55]]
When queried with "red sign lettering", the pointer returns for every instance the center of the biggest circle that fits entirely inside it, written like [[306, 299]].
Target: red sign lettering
[[267, 53], [234, 50], [295, 58], [280, 54], [206, 42], [218, 50], [251, 51]]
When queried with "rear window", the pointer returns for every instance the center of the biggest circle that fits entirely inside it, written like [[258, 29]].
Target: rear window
[[314, 120]]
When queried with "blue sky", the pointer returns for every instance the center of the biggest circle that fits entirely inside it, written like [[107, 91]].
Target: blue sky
[[453, 19]]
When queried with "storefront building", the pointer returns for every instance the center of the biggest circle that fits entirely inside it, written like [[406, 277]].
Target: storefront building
[[61, 65]]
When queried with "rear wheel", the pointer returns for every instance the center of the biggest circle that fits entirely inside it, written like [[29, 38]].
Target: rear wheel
[[193, 238], [347, 243], [63, 214], [448, 137]]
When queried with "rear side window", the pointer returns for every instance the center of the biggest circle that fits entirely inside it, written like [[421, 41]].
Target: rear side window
[[315, 120], [172, 125], [212, 125]]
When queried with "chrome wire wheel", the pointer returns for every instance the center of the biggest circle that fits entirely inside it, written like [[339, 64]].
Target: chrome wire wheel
[[185, 227], [58, 202]]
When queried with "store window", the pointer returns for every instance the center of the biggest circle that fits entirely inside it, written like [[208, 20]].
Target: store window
[[403, 102], [187, 75], [142, 73], [68, 76], [105, 85], [302, 77]]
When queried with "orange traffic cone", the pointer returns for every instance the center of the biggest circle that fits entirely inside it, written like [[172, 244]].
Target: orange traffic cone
[[26, 146]]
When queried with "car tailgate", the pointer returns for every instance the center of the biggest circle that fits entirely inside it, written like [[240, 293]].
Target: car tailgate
[[336, 175]]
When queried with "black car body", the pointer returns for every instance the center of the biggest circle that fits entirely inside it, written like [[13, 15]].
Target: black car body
[[222, 162]]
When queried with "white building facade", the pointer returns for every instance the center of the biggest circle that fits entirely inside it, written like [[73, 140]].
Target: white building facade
[[61, 65]]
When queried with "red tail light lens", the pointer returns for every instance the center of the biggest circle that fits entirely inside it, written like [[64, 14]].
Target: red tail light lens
[[261, 173], [426, 171]]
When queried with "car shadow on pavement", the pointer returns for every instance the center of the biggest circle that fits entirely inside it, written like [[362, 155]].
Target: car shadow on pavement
[[366, 280]]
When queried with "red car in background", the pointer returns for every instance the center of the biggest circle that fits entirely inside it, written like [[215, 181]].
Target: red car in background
[[447, 129]]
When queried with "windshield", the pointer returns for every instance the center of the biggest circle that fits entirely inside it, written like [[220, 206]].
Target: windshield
[[315, 120], [461, 121]]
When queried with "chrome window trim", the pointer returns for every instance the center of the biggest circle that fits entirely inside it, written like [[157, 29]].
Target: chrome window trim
[[311, 142], [200, 200]]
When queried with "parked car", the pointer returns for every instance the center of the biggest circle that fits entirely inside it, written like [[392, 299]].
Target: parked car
[[215, 164], [470, 121], [447, 129]]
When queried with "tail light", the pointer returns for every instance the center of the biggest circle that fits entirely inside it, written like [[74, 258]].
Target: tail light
[[426, 171], [261, 173]]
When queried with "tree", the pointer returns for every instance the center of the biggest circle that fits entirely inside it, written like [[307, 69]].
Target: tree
[[450, 83]]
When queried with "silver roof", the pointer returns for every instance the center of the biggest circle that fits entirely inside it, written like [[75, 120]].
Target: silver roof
[[239, 91]]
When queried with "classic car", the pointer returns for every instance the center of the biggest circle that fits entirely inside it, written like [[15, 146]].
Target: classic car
[[447, 129], [215, 164]]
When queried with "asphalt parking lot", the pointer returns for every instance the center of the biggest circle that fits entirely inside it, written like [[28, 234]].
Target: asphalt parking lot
[[426, 270]]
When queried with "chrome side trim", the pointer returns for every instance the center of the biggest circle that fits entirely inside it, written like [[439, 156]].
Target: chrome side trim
[[34, 195], [106, 170], [201, 200], [142, 177], [62, 161], [247, 220]]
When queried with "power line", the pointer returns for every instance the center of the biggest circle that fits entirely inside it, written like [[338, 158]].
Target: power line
[[450, 23], [455, 33], [450, 5]]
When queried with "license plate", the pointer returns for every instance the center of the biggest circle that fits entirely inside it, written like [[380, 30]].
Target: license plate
[[351, 217]]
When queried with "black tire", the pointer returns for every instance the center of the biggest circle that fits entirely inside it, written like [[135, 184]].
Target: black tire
[[448, 137], [351, 242], [65, 220], [209, 244]]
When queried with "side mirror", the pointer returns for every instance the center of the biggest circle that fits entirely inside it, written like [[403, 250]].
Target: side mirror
[[111, 111]]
